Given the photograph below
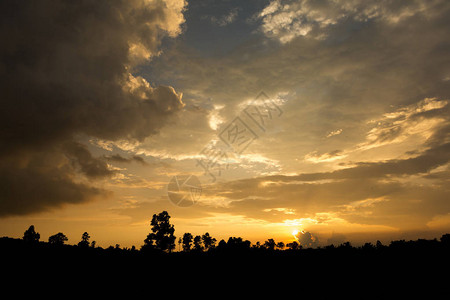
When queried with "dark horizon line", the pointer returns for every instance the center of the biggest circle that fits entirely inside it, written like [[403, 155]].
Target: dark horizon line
[[237, 243]]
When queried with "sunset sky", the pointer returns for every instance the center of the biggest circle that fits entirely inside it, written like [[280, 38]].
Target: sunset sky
[[104, 102]]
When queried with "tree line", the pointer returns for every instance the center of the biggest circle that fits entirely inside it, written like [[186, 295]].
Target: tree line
[[162, 239]]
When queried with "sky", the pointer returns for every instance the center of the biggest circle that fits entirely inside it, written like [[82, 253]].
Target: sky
[[254, 118]]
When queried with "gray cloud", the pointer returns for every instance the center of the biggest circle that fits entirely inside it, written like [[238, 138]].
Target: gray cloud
[[43, 180], [120, 159], [66, 71], [83, 160]]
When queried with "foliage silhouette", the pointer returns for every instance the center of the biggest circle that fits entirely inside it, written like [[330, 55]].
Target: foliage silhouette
[[161, 238], [31, 236], [208, 241], [187, 242], [445, 239], [58, 239], [84, 240], [234, 244], [280, 246], [270, 244], [293, 246], [198, 244]]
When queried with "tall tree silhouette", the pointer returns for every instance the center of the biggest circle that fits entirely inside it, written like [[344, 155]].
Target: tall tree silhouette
[[187, 242], [161, 237], [208, 241], [198, 246], [270, 244], [379, 245], [58, 239], [31, 236], [84, 240]]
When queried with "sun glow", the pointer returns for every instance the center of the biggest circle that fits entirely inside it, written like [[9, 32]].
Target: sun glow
[[295, 232]]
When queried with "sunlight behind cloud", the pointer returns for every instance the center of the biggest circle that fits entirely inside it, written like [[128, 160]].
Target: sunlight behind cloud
[[215, 120]]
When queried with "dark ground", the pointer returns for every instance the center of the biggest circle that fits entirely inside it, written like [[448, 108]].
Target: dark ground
[[399, 256], [400, 270]]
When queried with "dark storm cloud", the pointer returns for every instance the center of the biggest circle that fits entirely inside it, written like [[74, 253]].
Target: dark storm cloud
[[42, 180], [65, 69], [83, 160]]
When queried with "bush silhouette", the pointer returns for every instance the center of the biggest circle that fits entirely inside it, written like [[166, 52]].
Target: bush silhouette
[[57, 239]]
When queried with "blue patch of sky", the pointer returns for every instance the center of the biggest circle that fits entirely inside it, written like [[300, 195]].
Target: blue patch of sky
[[213, 29]]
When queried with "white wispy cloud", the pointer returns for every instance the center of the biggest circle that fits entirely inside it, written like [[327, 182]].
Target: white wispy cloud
[[286, 20], [395, 127], [334, 132]]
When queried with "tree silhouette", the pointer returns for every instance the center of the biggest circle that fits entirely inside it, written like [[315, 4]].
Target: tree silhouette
[[234, 244], [58, 239], [198, 243], [84, 240], [161, 237], [346, 245], [280, 245], [222, 244], [293, 246], [445, 239], [208, 241], [180, 241], [368, 247], [31, 236], [270, 244], [187, 242], [379, 245]]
